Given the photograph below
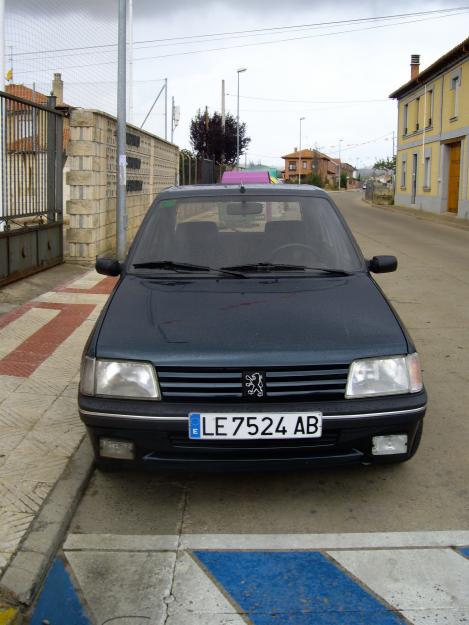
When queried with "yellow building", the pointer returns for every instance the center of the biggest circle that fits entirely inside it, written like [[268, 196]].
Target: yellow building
[[433, 135]]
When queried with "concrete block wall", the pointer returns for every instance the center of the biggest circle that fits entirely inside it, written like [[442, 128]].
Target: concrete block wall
[[91, 180]]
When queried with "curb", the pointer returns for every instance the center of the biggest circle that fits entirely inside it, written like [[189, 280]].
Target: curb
[[28, 567], [444, 220]]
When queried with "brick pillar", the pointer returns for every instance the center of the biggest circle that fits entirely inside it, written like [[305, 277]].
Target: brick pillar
[[87, 181]]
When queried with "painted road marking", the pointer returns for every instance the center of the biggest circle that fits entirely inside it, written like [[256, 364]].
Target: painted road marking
[[464, 551], [352, 540], [58, 602], [155, 579], [426, 585], [297, 588]]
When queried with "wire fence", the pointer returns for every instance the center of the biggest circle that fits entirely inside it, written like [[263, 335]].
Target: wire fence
[[77, 40]]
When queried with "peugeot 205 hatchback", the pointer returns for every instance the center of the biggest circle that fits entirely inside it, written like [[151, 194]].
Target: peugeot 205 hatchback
[[245, 330]]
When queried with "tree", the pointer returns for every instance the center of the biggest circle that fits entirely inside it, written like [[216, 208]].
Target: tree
[[343, 180], [388, 164], [315, 179], [208, 140]]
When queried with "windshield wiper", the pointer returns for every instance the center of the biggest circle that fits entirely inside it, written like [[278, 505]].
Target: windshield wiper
[[170, 265], [264, 267]]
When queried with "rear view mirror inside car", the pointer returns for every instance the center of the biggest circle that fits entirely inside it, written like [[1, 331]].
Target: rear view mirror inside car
[[245, 208]]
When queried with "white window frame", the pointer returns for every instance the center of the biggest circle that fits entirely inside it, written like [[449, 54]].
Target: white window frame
[[406, 119], [427, 172], [455, 84]]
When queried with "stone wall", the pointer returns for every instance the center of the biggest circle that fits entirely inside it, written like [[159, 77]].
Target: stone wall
[[151, 166]]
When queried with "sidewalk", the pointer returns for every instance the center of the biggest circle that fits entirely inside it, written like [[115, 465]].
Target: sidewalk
[[40, 348], [446, 219]]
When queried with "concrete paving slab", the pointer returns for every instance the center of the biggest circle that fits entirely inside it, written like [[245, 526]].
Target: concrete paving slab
[[197, 597], [128, 587], [435, 581], [120, 542]]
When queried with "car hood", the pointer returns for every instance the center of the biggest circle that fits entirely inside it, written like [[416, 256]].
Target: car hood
[[251, 323]]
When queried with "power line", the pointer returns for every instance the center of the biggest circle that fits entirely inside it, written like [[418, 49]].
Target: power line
[[309, 101], [246, 45], [259, 31]]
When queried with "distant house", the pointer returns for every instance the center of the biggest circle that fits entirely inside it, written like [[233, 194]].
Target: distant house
[[433, 135], [26, 143], [306, 162], [349, 171]]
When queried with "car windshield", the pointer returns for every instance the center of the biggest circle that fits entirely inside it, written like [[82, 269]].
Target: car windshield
[[245, 233]]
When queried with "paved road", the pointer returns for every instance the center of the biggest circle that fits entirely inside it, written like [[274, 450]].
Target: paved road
[[431, 292], [368, 545]]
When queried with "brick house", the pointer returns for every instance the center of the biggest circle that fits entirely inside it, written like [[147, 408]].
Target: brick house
[[308, 162]]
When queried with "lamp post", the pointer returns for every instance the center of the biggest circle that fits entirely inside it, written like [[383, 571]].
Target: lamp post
[[340, 146], [299, 154], [239, 71]]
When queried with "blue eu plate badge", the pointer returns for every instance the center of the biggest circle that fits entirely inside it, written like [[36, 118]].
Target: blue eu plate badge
[[194, 425]]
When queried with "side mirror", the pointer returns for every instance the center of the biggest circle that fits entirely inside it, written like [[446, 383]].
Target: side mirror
[[108, 266], [382, 264]]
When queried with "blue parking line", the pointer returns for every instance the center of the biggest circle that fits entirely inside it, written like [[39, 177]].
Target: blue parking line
[[294, 588], [464, 551], [58, 603]]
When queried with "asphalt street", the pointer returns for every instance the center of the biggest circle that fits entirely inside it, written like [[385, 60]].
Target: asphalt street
[[430, 291]]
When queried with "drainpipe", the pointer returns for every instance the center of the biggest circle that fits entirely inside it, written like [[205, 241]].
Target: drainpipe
[[2, 111]]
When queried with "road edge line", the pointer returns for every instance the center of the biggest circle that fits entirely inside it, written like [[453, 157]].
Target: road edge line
[[25, 573]]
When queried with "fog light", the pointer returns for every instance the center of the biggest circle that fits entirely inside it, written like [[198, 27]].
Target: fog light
[[114, 448], [392, 444]]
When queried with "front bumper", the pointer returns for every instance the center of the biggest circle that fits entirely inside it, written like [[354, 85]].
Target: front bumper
[[159, 431]]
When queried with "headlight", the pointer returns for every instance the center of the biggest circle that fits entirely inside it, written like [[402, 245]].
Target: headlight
[[118, 379], [384, 376]]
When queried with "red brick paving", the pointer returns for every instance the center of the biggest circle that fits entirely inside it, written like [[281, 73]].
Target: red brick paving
[[27, 357]]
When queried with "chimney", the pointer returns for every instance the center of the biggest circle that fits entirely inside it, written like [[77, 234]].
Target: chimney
[[295, 149], [58, 89], [414, 66]]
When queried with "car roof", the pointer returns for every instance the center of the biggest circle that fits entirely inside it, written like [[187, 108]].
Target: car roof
[[251, 189]]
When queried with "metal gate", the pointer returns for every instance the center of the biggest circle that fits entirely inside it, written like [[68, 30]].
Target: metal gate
[[31, 187]]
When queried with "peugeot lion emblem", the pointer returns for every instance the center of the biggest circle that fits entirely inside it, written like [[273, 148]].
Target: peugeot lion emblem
[[254, 384]]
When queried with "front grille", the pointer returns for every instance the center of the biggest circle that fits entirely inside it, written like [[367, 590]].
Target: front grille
[[324, 382], [182, 441]]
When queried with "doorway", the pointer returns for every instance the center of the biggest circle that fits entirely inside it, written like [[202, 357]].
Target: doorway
[[414, 178], [453, 176]]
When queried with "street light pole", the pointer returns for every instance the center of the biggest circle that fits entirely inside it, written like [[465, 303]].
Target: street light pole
[[239, 71], [121, 135], [340, 145], [299, 154]]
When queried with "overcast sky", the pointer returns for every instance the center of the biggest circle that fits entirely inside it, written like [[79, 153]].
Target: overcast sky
[[336, 76]]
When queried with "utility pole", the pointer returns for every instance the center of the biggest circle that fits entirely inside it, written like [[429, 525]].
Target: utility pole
[[130, 111], [239, 71], [223, 120], [166, 109], [172, 118], [299, 154], [2, 88], [340, 146], [121, 134]]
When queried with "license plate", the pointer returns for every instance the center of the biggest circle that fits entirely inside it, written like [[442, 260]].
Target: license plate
[[222, 425]]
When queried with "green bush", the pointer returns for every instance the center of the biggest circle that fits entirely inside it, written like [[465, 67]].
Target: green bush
[[315, 179]]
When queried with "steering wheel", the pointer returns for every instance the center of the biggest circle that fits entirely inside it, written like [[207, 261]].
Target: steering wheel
[[286, 246]]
